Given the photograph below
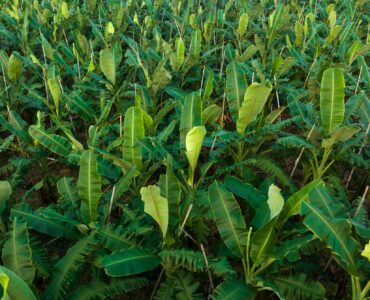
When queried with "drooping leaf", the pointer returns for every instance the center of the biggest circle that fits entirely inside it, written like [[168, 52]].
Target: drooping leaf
[[53, 142], [129, 262], [89, 186], [16, 254], [335, 232], [156, 206]]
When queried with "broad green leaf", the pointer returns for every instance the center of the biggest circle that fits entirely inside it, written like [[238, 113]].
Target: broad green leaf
[[180, 53], [41, 220], [191, 115], [254, 100], [14, 287], [195, 45], [156, 206], [15, 68], [129, 262], [263, 242], [275, 201], [210, 114], [16, 254], [236, 86], [245, 191], [161, 77], [228, 217], [208, 86], [194, 142], [297, 286], [53, 142], [293, 205], [133, 130], [340, 134], [332, 99], [232, 290], [107, 64], [89, 186], [170, 190], [335, 232], [5, 192]]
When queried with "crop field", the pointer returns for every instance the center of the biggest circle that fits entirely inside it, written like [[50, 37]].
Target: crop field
[[184, 149]]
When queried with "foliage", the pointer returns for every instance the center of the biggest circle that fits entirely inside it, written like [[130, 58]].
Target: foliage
[[167, 149]]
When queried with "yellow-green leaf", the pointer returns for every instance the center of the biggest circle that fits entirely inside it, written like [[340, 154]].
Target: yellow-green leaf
[[107, 64], [14, 68], [194, 141], [254, 100], [275, 201], [156, 206]]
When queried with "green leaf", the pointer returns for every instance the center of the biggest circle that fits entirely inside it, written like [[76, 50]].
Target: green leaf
[[194, 141], [5, 192], [89, 186], [16, 254], [107, 64], [263, 242], [156, 206], [14, 287], [275, 201], [55, 143], [65, 270], [245, 191], [41, 221], [191, 115], [180, 52], [210, 114], [297, 286], [170, 190], [129, 262], [15, 68], [229, 219], [133, 129], [234, 289], [53, 83], [332, 99], [340, 134], [236, 85], [293, 205], [254, 100], [335, 232], [195, 45]]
